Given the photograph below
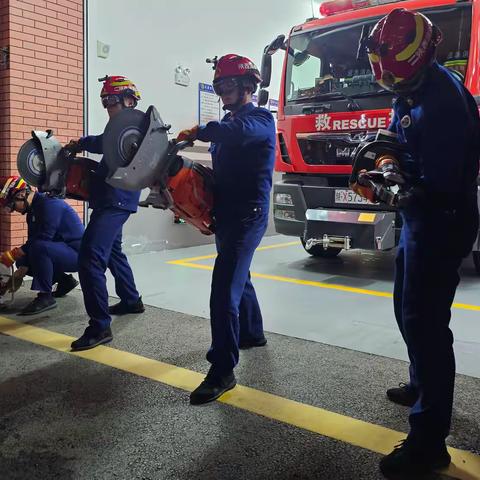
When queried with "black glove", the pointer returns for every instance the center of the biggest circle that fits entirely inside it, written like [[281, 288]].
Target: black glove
[[414, 196], [73, 147], [389, 167]]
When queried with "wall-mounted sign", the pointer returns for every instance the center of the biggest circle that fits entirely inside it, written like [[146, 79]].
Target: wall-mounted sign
[[208, 104], [273, 105]]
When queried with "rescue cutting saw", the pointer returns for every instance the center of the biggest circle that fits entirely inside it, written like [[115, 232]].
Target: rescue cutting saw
[[8, 286], [377, 170], [45, 164], [139, 155]]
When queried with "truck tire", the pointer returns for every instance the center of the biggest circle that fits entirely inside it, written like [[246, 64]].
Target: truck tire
[[476, 261], [320, 252]]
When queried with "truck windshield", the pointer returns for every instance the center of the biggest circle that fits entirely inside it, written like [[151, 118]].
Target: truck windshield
[[323, 62]]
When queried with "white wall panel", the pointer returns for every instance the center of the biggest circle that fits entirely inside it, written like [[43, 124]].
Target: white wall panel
[[148, 39]]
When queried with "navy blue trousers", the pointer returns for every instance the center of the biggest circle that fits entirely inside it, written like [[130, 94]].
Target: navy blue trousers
[[430, 252], [101, 248], [234, 310], [47, 261]]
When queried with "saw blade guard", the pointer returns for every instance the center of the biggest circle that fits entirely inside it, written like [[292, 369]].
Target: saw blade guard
[[39, 162], [6, 274], [366, 155], [136, 149]]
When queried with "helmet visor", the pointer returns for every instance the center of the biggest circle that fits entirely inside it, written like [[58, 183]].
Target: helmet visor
[[225, 86], [110, 100]]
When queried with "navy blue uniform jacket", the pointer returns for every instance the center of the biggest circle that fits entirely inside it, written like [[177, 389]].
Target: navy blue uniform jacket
[[103, 195], [243, 155], [441, 127], [52, 219]]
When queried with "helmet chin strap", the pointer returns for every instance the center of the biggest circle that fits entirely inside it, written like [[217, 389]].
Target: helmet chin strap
[[414, 84], [26, 205], [233, 107]]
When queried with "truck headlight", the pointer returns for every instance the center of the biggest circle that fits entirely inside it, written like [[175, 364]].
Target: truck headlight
[[283, 199], [284, 214]]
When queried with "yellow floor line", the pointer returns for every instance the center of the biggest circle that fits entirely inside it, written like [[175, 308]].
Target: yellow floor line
[[278, 245], [466, 466], [192, 259], [198, 266], [213, 255], [312, 283]]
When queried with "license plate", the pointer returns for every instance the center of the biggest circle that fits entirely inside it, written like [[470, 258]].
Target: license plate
[[350, 197]]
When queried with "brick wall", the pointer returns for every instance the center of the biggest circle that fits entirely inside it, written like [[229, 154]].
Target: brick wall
[[4, 117], [43, 86]]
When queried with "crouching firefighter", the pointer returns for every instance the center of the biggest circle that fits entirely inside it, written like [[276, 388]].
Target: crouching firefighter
[[101, 246], [436, 118], [54, 235], [243, 145]]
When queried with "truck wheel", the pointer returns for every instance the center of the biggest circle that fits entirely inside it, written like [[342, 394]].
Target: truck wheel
[[319, 251], [476, 261]]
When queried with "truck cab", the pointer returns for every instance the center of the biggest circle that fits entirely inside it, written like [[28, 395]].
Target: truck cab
[[330, 102]]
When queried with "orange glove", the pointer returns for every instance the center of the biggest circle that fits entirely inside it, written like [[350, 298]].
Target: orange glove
[[188, 135], [9, 257]]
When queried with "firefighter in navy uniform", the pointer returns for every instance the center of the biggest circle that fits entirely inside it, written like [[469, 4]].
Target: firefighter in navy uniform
[[243, 146], [437, 118], [54, 235], [102, 243]]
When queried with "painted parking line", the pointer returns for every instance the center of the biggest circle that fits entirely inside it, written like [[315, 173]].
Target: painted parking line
[[376, 438], [213, 255], [190, 263]]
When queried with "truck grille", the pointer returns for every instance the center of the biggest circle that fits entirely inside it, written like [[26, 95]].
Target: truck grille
[[320, 149], [283, 149]]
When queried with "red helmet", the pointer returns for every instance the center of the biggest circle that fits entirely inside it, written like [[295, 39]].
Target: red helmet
[[233, 70], [400, 47], [232, 65], [10, 187], [119, 86]]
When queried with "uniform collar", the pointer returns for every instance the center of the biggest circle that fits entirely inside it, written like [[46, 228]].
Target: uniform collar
[[416, 97], [248, 107], [36, 197]]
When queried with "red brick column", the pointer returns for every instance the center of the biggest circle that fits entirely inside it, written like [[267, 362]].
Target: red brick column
[[42, 86], [5, 167]]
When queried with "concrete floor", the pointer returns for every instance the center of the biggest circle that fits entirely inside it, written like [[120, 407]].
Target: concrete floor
[[72, 418], [362, 322]]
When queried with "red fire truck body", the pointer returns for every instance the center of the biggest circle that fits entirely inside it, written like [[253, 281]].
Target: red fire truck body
[[329, 102]]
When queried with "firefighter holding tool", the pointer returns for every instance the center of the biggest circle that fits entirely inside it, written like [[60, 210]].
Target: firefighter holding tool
[[243, 150], [102, 243], [437, 120]]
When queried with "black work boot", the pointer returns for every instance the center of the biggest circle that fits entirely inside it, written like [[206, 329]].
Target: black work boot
[[65, 285], [121, 308], [404, 394], [252, 342], [41, 303], [407, 460], [212, 387], [92, 338]]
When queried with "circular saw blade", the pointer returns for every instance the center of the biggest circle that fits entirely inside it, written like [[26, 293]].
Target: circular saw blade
[[122, 136], [31, 163]]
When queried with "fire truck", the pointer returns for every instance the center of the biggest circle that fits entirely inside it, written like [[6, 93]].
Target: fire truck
[[329, 103]]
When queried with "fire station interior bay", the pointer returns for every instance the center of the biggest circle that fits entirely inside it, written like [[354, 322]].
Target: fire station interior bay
[[239, 241]]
